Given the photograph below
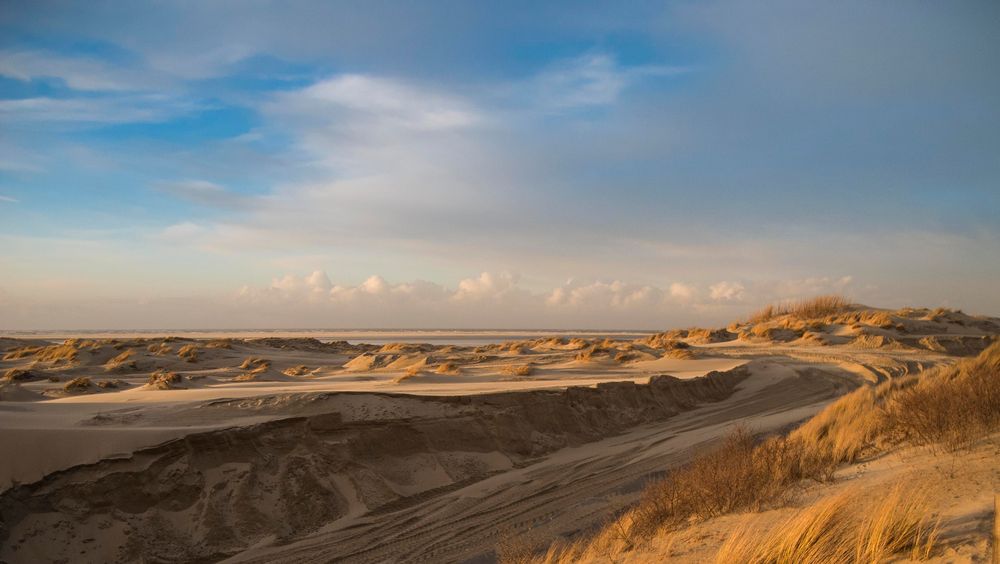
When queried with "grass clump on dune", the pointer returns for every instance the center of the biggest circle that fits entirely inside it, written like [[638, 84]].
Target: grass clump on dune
[[843, 528], [121, 363], [519, 369], [188, 353], [255, 363], [65, 352], [21, 352], [159, 349], [81, 384], [811, 308], [449, 368], [298, 370]]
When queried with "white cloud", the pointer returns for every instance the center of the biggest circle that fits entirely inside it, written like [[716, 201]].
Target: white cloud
[[385, 102], [490, 299], [8, 199], [78, 73], [486, 286], [727, 291], [683, 292], [594, 79], [600, 295]]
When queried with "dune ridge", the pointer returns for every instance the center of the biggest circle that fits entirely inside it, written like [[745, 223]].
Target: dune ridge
[[211, 494]]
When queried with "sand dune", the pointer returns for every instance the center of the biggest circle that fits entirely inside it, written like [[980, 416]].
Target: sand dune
[[293, 449]]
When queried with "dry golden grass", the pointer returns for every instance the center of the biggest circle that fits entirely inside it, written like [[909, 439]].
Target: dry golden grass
[[112, 384], [592, 352], [449, 368], [164, 379], [811, 308], [159, 349], [519, 369], [81, 384], [57, 353], [953, 406], [738, 475], [188, 353], [698, 335], [219, 344], [624, 357], [21, 352], [19, 375], [843, 528], [121, 363], [873, 317], [298, 370], [255, 363]]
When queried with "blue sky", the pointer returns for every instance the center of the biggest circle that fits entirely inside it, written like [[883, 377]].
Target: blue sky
[[460, 164]]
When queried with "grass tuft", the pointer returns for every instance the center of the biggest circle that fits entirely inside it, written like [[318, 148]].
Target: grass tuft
[[842, 528], [812, 308]]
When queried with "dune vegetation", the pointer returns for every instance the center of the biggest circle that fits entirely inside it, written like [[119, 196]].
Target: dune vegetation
[[812, 308], [950, 407]]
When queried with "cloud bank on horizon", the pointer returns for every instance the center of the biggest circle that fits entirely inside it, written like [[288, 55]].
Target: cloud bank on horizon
[[493, 164]]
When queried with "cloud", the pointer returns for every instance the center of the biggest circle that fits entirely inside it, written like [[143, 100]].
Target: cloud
[[727, 291], [383, 102], [113, 109], [490, 299], [486, 287], [8, 199], [601, 295], [78, 73], [683, 292], [590, 80], [204, 192]]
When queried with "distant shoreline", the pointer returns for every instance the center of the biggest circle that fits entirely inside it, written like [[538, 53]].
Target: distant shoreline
[[354, 336]]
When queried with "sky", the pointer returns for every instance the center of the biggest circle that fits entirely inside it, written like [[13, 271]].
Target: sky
[[378, 164]]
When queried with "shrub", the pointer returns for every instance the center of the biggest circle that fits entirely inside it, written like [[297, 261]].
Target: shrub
[[953, 406]]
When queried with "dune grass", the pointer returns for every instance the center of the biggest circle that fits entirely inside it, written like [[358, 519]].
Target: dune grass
[[449, 368], [842, 528], [955, 406], [255, 363], [297, 370], [519, 369], [811, 308], [188, 353], [123, 362]]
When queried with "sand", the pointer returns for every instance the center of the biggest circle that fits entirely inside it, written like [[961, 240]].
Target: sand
[[294, 449]]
